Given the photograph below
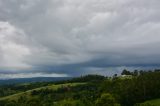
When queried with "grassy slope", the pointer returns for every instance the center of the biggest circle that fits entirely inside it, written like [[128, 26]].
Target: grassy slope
[[155, 102], [27, 93]]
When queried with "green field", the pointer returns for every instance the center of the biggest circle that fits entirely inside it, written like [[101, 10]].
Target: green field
[[27, 93], [155, 102]]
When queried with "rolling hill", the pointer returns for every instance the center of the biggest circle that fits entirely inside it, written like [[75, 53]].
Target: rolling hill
[[28, 93]]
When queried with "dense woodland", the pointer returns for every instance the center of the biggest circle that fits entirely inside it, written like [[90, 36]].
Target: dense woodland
[[128, 89]]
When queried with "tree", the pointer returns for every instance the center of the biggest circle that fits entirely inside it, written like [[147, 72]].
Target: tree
[[135, 73], [125, 72], [106, 99], [69, 102]]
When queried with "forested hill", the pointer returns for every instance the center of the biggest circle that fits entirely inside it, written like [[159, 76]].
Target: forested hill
[[129, 89], [31, 80]]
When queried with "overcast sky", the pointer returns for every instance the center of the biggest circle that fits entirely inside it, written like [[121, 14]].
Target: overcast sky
[[77, 37]]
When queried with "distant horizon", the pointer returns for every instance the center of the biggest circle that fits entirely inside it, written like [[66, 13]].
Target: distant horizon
[[10, 76]]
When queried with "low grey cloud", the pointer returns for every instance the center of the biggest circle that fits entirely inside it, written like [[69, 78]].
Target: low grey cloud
[[74, 36], [30, 75]]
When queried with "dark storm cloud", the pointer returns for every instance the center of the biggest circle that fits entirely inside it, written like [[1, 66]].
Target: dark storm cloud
[[74, 36]]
